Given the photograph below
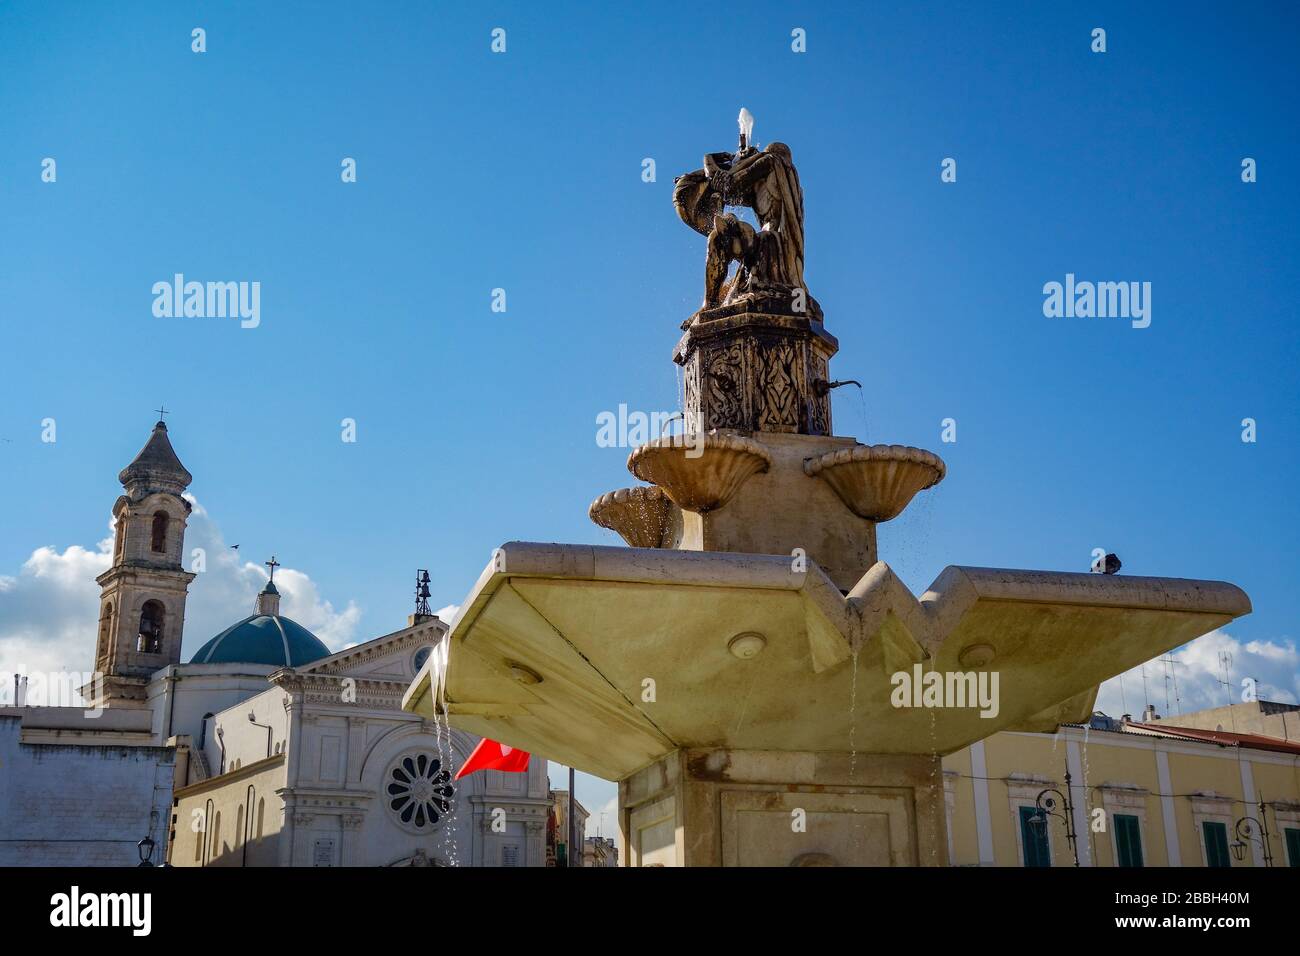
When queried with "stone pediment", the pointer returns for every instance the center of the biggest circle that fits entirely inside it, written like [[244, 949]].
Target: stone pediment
[[390, 657]]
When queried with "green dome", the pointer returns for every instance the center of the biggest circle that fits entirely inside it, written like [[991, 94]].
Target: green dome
[[263, 639]]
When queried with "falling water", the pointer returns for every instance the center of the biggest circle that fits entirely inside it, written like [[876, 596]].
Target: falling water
[[866, 425], [744, 704], [862, 406], [905, 541], [853, 717], [1087, 810], [441, 718], [936, 788], [449, 840]]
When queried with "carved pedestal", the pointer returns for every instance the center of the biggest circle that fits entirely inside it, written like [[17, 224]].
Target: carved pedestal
[[756, 372]]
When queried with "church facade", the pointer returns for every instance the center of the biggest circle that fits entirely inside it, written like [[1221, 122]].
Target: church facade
[[323, 768], [264, 749]]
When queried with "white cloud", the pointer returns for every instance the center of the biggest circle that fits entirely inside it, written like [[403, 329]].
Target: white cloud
[[49, 609], [446, 614], [1275, 665]]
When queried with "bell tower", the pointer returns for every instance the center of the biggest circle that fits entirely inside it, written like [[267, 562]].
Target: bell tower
[[142, 597]]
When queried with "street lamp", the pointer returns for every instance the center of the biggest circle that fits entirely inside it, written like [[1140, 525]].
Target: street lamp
[[1245, 830], [1045, 803], [145, 848]]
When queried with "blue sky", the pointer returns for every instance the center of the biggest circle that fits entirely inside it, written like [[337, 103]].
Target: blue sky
[[522, 171]]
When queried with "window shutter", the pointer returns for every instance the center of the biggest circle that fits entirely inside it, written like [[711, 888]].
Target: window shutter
[[1128, 839], [1216, 844]]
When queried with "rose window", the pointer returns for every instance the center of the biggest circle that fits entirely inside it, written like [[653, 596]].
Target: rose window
[[419, 790]]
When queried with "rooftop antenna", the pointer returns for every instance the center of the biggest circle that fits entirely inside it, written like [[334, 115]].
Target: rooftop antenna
[[1225, 662], [1171, 674], [422, 593]]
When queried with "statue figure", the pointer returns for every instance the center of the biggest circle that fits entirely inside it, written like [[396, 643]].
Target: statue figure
[[770, 259]]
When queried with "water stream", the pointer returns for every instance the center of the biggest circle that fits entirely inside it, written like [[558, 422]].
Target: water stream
[[441, 720], [936, 790], [853, 716]]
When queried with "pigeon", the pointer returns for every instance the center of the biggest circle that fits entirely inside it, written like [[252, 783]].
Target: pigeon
[[1106, 565]]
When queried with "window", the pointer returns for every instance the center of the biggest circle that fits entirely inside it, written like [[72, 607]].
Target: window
[[1128, 840], [1033, 837], [121, 535], [105, 622], [159, 542], [261, 813], [152, 617], [1216, 843], [419, 790], [421, 656], [1292, 846]]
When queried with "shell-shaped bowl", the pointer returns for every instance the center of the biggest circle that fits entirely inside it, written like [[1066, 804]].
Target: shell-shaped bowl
[[877, 482], [699, 472], [640, 515]]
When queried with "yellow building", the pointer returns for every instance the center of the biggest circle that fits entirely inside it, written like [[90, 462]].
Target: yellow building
[[1152, 793]]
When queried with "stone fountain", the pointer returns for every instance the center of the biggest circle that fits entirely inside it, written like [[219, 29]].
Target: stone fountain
[[736, 669]]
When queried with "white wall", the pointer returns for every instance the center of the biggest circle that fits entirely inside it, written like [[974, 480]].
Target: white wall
[[80, 804]]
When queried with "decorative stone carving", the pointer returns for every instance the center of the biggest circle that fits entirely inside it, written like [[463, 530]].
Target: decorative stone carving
[[757, 373], [418, 791], [779, 364], [724, 381]]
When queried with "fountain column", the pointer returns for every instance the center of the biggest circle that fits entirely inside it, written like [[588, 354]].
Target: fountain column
[[722, 807]]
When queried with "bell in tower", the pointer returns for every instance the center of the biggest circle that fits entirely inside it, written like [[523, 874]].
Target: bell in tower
[[142, 598]]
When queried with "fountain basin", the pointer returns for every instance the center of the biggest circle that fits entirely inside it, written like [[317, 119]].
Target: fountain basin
[[877, 482], [595, 623], [642, 516], [699, 472]]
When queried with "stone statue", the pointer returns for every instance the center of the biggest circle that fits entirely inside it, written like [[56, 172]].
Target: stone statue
[[769, 276]]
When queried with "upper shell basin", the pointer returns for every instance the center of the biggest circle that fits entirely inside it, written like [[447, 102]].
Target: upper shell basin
[[877, 482], [640, 515], [699, 472]]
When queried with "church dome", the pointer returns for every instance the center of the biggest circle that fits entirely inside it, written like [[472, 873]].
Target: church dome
[[265, 637]]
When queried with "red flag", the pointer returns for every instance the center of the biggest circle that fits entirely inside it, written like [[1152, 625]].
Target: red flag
[[490, 755]]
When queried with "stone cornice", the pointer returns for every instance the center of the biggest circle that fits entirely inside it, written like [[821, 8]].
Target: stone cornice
[[378, 647], [230, 776], [133, 569]]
